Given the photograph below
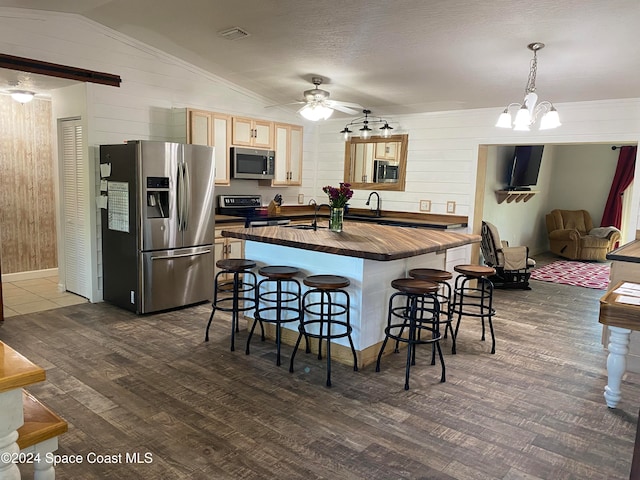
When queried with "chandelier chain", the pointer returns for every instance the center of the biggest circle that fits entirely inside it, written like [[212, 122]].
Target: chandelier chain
[[533, 70]]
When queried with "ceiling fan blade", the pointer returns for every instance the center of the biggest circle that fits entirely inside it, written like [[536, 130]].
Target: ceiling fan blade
[[297, 102], [345, 104], [343, 109]]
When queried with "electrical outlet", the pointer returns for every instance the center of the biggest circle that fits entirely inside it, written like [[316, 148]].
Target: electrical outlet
[[451, 207], [425, 205], [300, 198]]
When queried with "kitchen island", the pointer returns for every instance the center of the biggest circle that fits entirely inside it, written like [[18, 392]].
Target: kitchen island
[[369, 255]]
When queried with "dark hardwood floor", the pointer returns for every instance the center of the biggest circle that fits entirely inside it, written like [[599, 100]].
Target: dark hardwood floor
[[150, 385]]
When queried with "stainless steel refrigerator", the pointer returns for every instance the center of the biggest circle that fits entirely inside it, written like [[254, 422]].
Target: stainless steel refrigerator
[[158, 225]]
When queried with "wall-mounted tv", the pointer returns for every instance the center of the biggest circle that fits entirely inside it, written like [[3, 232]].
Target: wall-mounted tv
[[525, 167]]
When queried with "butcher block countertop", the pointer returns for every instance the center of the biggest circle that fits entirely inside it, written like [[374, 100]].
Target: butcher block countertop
[[626, 253], [362, 240]]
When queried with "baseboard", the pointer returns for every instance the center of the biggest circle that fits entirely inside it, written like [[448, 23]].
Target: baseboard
[[16, 277]]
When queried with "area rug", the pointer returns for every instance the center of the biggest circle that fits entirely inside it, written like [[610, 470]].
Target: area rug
[[580, 274]]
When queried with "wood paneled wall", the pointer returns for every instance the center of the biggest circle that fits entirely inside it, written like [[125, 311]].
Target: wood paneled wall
[[27, 199]]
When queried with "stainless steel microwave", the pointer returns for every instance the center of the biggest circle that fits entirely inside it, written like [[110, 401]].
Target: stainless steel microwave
[[252, 163], [385, 172]]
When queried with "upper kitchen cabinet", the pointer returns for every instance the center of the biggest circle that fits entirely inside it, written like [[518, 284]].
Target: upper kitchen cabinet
[[212, 129], [248, 132], [387, 151], [288, 147]]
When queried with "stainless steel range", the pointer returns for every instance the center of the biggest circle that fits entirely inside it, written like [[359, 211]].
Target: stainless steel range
[[250, 207]]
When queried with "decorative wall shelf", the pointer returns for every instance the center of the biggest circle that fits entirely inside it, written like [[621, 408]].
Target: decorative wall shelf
[[514, 195]]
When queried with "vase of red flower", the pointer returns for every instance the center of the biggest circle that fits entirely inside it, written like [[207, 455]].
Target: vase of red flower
[[338, 198]]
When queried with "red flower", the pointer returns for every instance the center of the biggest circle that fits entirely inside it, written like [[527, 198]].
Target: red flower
[[338, 197]]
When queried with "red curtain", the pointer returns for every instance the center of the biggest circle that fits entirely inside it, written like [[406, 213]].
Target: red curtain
[[612, 216]]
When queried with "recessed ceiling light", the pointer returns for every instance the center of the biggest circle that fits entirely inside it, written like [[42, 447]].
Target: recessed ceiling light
[[234, 33]]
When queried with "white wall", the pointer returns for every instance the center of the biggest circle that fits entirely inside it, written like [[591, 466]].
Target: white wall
[[443, 147]]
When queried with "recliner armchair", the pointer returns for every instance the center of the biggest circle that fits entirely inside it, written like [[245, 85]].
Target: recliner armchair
[[572, 236], [512, 264]]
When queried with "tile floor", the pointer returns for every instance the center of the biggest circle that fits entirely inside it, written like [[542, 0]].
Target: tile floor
[[36, 295]]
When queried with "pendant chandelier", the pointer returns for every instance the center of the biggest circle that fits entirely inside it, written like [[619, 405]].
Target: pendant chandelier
[[366, 131], [530, 109]]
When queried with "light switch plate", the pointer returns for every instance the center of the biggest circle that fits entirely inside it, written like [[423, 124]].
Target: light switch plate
[[425, 205], [451, 207], [300, 198]]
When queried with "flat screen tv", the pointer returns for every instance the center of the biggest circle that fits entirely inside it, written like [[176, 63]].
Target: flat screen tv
[[525, 167]]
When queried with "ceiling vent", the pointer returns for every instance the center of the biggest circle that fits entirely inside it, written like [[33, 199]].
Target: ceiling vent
[[234, 33]]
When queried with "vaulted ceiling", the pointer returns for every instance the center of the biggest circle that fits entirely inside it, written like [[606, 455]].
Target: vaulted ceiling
[[392, 56]]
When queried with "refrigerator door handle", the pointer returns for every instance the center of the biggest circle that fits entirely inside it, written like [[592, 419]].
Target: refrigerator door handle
[[171, 257], [187, 196], [180, 196]]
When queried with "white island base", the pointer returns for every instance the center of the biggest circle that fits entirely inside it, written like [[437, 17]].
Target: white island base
[[369, 291]]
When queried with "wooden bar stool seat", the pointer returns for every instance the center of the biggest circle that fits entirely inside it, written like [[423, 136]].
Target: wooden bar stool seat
[[279, 300], [237, 295], [414, 308], [475, 271], [325, 316], [474, 301]]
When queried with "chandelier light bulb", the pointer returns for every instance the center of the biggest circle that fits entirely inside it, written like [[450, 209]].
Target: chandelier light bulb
[[551, 119]]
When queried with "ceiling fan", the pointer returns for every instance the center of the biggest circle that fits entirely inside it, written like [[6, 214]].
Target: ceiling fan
[[21, 87], [317, 105]]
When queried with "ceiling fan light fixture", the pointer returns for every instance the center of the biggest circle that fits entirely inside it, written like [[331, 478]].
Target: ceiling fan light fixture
[[315, 112], [22, 96], [530, 110]]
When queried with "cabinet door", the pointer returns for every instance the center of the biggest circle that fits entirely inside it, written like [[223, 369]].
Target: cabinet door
[[242, 131], [235, 248], [282, 155], [219, 251], [221, 136], [295, 155], [199, 127], [263, 134], [386, 151]]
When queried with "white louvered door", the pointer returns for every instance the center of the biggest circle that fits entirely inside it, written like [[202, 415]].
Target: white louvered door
[[75, 199]]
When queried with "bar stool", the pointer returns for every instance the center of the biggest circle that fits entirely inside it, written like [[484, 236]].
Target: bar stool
[[243, 293], [419, 312], [330, 288], [279, 302], [474, 301], [440, 277]]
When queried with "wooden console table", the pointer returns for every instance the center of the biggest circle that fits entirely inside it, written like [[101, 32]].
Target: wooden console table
[[621, 319]]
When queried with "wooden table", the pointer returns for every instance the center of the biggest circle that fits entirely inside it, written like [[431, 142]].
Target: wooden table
[[620, 319]]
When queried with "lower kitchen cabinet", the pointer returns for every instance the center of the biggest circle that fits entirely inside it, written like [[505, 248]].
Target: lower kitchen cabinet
[[224, 247]]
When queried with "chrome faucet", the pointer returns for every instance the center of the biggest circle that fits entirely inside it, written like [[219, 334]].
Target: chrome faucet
[[315, 214], [377, 210]]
